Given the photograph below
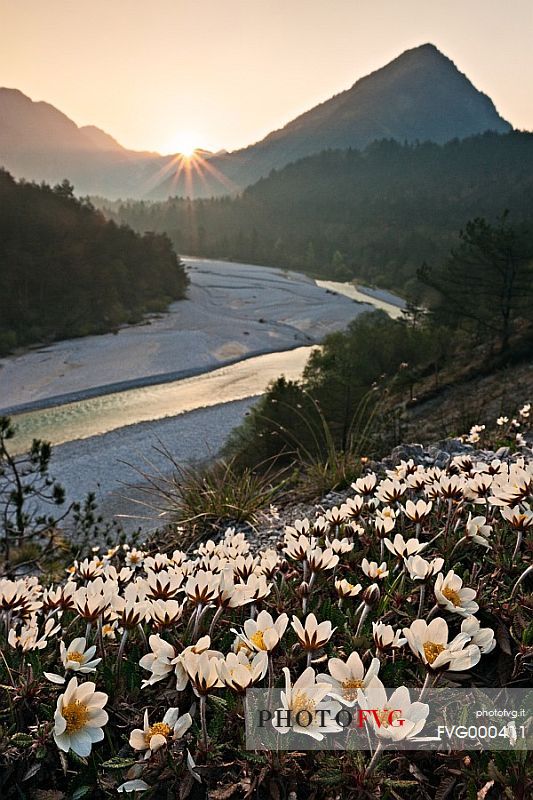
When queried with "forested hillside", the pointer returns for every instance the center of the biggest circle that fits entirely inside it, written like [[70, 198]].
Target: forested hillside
[[67, 271], [375, 214]]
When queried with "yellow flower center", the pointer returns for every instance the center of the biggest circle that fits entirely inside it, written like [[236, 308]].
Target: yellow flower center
[[257, 639], [432, 650], [302, 702], [386, 718], [160, 728], [350, 688], [76, 715], [452, 596], [134, 559], [75, 656]]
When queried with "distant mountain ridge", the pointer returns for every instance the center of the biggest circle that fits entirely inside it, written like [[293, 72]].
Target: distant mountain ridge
[[420, 95]]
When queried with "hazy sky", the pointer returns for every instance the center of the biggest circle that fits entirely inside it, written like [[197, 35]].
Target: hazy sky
[[158, 74]]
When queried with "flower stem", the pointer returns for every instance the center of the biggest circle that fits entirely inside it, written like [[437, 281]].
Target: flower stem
[[121, 650], [517, 545], [364, 615], [214, 621], [429, 682], [203, 702], [373, 760], [421, 600]]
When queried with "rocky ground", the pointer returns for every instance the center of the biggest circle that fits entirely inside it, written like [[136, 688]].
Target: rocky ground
[[270, 530]]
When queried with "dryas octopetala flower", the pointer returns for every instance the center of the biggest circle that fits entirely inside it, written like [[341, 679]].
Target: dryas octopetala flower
[[159, 662], [430, 644], [237, 672], [202, 587], [477, 530], [263, 634], [164, 613], [346, 589], [300, 527], [402, 548], [28, 637], [166, 584], [341, 546], [420, 570], [373, 570], [384, 524], [353, 507], [306, 708], [394, 717], [346, 677], [202, 671], [79, 718], [202, 646], [385, 637], [335, 516], [312, 635], [298, 547], [483, 637], [365, 486], [390, 490], [450, 595], [134, 558], [78, 657], [257, 587], [419, 511], [152, 737], [518, 520], [321, 560]]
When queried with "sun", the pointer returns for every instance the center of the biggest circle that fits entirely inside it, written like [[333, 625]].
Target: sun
[[185, 144]]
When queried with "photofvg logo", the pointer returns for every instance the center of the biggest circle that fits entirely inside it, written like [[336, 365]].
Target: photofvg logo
[[442, 719]]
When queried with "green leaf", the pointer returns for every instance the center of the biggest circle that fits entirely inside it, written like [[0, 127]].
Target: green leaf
[[117, 762], [81, 791], [22, 739]]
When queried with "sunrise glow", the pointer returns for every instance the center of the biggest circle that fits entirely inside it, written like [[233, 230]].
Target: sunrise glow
[[185, 144]]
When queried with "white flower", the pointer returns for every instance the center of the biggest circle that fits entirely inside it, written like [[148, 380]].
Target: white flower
[[397, 717], [307, 704], [372, 570], [263, 633], [202, 646], [346, 589], [77, 657], [402, 548], [477, 530], [320, 560], [386, 637], [420, 570], [79, 718], [346, 677], [430, 644], [133, 786], [518, 519], [340, 545], [312, 635], [417, 512], [450, 594], [237, 672], [202, 670], [502, 421], [524, 411], [159, 662], [483, 637], [152, 737]]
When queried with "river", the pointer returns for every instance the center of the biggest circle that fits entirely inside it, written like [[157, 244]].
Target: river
[[281, 293]]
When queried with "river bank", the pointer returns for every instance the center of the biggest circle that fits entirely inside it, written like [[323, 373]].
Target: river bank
[[232, 311], [186, 378]]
